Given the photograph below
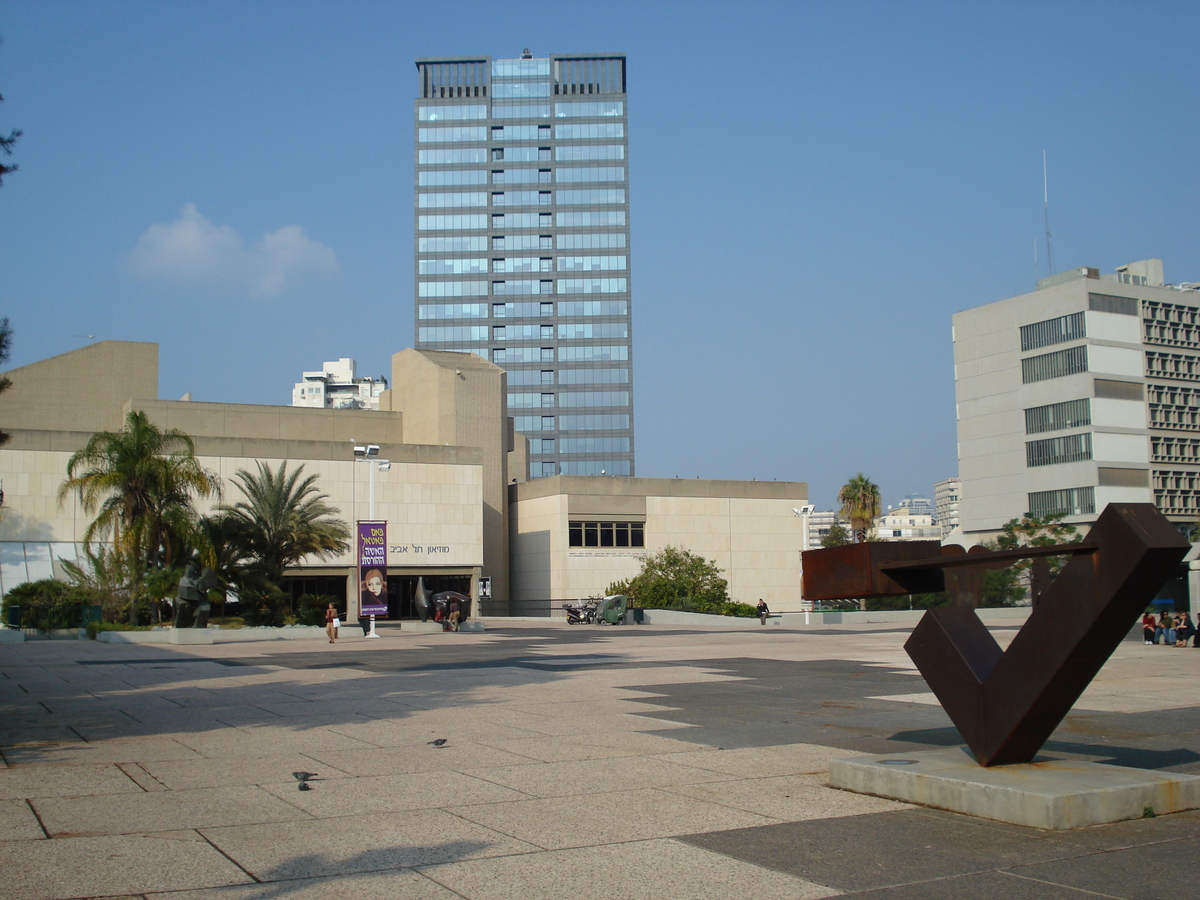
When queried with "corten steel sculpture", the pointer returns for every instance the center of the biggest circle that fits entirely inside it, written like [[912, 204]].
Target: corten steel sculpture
[[1006, 703]]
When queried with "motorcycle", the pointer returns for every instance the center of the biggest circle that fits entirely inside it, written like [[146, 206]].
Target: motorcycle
[[583, 612]]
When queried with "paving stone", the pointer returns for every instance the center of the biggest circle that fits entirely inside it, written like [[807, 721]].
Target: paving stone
[[32, 781], [859, 853], [369, 843], [396, 884], [661, 869], [161, 811], [108, 866], [586, 820], [18, 823]]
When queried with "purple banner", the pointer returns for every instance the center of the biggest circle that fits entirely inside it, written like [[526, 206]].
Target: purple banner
[[372, 569]]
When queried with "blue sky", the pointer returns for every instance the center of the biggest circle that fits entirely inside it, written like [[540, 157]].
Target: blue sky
[[815, 189]]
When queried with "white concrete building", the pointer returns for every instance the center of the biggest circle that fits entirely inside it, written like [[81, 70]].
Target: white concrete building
[[572, 536], [1082, 393], [337, 386], [903, 524], [946, 495]]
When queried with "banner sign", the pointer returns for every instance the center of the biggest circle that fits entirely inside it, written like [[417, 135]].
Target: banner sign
[[372, 568]]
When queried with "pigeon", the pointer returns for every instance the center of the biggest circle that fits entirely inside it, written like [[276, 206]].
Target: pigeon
[[304, 786], [440, 742], [303, 776]]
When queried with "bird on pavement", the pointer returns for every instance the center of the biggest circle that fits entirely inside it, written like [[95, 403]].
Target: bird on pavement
[[304, 786], [440, 742], [303, 776]]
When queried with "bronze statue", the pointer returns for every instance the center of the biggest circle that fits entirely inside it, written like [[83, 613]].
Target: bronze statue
[[1006, 703], [192, 606]]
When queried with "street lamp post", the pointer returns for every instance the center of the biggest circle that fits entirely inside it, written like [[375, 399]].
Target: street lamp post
[[803, 513], [369, 453]]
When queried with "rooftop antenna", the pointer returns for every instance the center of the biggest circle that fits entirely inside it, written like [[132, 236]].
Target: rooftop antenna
[[1046, 215]]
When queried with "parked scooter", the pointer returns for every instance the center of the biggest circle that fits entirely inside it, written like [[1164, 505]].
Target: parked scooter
[[583, 612]]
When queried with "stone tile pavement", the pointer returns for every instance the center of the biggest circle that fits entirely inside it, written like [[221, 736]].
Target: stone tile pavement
[[633, 762]]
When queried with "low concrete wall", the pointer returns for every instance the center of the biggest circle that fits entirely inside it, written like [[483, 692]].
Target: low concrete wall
[[218, 635], [1006, 615]]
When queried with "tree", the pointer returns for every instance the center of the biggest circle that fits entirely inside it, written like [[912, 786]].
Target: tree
[[675, 578], [140, 482], [284, 519], [860, 505], [837, 537], [6, 147], [1009, 586]]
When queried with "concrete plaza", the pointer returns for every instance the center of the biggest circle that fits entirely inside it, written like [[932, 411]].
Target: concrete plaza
[[579, 762]]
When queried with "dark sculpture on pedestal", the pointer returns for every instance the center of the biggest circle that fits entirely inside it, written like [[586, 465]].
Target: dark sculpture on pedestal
[[192, 605], [1006, 703]]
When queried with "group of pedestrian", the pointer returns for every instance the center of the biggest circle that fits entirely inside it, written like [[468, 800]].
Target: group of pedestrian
[[1170, 629]]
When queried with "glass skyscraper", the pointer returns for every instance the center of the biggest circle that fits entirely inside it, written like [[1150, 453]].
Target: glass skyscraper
[[522, 244]]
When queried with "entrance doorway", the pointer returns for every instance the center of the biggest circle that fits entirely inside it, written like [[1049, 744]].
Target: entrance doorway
[[402, 591]]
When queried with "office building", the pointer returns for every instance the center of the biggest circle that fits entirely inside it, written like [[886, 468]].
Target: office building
[[522, 244], [1082, 393], [338, 386], [945, 498]]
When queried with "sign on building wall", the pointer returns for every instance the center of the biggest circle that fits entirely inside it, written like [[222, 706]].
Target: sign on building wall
[[372, 568]]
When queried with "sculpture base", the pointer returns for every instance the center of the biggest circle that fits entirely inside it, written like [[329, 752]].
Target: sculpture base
[[1047, 793], [190, 636]]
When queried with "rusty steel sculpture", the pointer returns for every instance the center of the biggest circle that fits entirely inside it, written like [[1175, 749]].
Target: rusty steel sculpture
[[1006, 703]]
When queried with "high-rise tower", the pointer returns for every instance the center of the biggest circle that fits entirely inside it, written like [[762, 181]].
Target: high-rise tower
[[522, 244]]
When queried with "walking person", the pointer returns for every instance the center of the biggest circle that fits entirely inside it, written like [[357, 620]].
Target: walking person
[[332, 623], [455, 609], [763, 611]]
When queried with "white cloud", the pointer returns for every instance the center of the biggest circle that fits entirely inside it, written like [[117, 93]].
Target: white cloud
[[193, 249]]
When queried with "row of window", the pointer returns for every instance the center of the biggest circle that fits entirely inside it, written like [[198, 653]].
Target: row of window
[[1068, 501], [572, 174], [1053, 331], [1173, 395], [598, 422], [1057, 416], [475, 155], [522, 101], [519, 377], [508, 288], [1064, 449], [479, 243], [446, 113], [479, 221], [518, 310], [596, 467], [593, 445], [606, 534], [510, 355], [1174, 450], [464, 199], [1175, 418], [1054, 365], [528, 264], [568, 399], [499, 133], [1178, 366], [575, 331]]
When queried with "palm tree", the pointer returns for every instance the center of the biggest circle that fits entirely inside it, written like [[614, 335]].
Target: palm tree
[[284, 519], [860, 505], [140, 482]]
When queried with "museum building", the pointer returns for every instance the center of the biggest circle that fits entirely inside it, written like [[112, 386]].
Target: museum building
[[449, 478]]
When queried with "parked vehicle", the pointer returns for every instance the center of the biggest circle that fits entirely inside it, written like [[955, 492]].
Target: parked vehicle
[[581, 613]]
